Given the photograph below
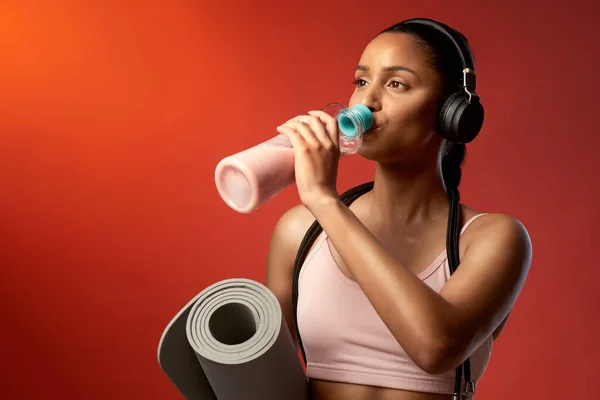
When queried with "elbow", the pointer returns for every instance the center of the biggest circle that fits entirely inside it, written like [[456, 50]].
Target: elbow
[[433, 363], [439, 358]]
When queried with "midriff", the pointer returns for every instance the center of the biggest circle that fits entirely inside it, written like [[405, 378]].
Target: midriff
[[325, 390]]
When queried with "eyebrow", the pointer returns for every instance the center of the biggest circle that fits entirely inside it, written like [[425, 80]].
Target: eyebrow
[[388, 69]]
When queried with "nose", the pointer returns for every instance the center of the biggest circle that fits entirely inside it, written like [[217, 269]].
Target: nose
[[371, 99]]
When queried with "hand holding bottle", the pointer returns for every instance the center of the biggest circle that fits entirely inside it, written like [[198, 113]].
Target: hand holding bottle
[[249, 178], [315, 142]]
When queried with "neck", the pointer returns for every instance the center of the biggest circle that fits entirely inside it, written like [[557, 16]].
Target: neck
[[402, 196]]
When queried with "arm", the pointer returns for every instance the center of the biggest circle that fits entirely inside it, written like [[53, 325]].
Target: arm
[[285, 242], [438, 331]]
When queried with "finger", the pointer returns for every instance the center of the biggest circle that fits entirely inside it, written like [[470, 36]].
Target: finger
[[319, 130], [305, 130], [331, 125], [295, 138]]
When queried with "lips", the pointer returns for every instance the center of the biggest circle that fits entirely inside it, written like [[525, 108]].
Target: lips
[[373, 129]]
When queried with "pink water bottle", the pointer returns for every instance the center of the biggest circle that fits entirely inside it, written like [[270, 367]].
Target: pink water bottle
[[248, 179]]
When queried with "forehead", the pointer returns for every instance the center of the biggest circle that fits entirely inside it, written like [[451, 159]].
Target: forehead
[[394, 49]]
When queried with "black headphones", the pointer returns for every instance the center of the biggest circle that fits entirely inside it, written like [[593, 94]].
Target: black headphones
[[461, 115]]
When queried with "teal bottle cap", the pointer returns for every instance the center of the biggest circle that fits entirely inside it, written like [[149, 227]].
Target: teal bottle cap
[[355, 120]]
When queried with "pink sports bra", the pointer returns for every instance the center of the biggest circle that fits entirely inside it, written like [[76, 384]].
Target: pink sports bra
[[344, 338]]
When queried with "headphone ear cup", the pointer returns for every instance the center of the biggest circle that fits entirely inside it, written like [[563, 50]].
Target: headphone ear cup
[[460, 121]]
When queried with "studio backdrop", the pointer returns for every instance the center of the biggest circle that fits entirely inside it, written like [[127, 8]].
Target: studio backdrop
[[114, 114]]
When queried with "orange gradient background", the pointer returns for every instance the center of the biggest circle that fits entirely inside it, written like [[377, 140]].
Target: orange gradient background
[[114, 114]]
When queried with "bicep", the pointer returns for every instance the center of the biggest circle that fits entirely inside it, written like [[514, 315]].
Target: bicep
[[485, 287]]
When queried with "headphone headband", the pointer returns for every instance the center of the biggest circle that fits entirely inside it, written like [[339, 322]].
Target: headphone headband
[[466, 58]]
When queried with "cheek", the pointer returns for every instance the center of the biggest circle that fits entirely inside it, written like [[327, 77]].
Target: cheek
[[415, 117], [411, 126]]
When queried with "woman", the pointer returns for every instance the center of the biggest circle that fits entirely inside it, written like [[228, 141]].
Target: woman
[[379, 313]]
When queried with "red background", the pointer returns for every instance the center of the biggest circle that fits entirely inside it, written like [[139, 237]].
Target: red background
[[109, 217]]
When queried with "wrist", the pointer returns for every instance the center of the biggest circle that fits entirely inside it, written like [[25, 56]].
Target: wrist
[[323, 205]]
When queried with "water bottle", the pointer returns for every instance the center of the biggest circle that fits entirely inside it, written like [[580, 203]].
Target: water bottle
[[248, 179]]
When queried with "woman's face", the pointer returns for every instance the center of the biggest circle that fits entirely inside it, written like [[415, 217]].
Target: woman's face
[[395, 81]]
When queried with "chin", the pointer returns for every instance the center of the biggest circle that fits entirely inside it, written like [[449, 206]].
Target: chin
[[371, 150], [385, 146], [381, 151]]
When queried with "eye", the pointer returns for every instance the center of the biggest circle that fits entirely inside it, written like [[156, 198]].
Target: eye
[[359, 82], [397, 85]]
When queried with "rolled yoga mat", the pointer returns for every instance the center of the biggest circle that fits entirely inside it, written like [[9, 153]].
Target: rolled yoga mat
[[231, 342]]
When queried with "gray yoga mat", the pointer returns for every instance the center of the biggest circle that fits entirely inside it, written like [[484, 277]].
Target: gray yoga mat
[[231, 342]]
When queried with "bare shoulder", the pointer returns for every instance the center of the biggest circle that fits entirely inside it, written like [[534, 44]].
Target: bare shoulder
[[290, 229], [498, 229], [500, 245]]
